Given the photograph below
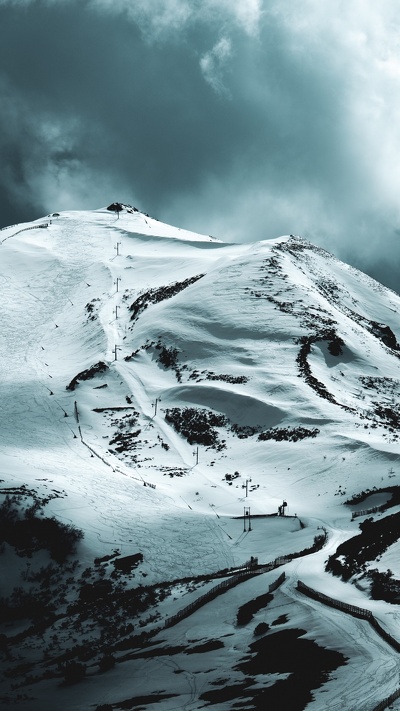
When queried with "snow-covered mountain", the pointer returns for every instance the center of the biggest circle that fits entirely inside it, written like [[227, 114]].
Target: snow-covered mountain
[[165, 393]]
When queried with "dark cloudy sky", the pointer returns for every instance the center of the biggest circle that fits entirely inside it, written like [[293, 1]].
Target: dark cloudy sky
[[244, 119]]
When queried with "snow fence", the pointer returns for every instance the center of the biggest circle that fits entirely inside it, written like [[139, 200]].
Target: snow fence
[[350, 610], [220, 588]]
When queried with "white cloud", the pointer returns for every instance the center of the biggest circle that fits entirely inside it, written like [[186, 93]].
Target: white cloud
[[213, 64], [157, 19], [245, 14], [160, 18]]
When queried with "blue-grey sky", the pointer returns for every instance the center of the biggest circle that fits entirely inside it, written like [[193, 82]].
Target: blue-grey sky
[[244, 119]]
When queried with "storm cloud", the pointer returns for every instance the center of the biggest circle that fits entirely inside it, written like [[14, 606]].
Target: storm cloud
[[245, 120]]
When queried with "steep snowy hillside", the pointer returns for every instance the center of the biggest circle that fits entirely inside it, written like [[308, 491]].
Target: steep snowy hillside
[[166, 394]]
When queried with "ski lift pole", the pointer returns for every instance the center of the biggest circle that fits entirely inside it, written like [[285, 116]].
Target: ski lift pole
[[246, 515], [196, 454], [155, 403], [246, 486]]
